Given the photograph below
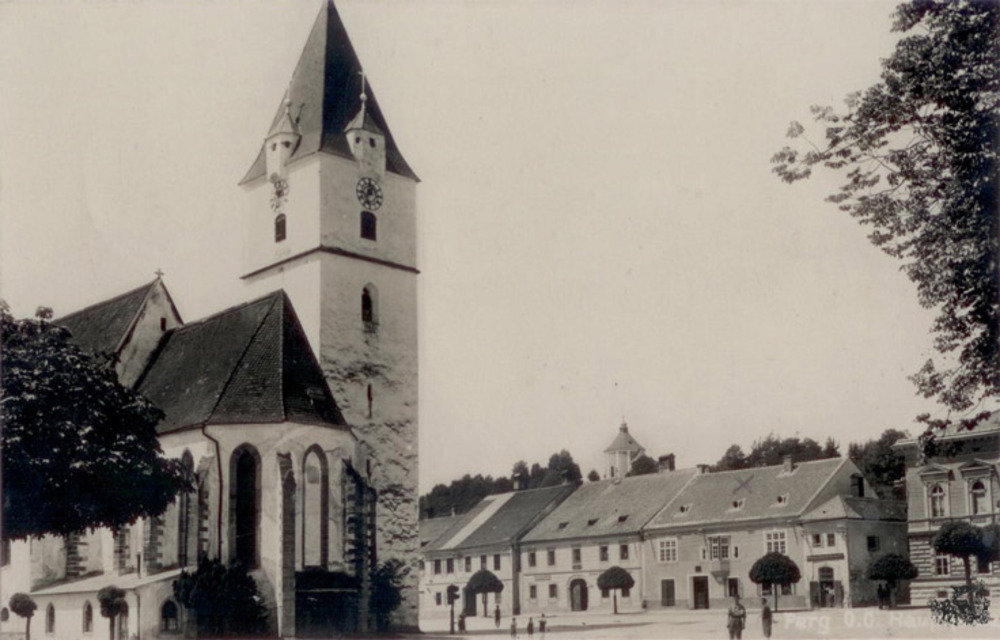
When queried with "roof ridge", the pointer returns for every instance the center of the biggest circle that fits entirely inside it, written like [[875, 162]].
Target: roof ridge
[[242, 305], [236, 365], [101, 303]]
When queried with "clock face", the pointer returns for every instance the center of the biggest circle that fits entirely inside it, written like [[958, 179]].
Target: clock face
[[369, 193], [280, 193]]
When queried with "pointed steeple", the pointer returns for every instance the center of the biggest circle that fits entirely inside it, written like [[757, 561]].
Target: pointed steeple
[[281, 142], [323, 99]]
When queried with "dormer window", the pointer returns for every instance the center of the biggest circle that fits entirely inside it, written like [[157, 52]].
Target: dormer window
[[591, 522], [562, 525], [783, 499], [737, 504], [623, 518], [684, 508], [279, 228]]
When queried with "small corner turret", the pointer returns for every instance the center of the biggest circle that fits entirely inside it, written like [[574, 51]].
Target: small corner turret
[[281, 142], [365, 139]]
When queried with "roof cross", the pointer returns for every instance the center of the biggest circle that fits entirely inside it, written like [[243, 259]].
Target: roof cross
[[159, 273]]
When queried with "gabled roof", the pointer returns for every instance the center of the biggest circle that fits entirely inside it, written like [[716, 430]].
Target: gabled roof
[[101, 327], [500, 519], [611, 507], [432, 528], [761, 492], [854, 508], [624, 442], [325, 94], [248, 364]]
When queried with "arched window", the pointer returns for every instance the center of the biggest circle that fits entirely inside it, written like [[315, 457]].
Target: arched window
[[184, 512], [244, 505], [977, 498], [369, 306], [50, 619], [369, 225], [279, 228], [88, 617], [937, 501], [168, 617], [315, 513]]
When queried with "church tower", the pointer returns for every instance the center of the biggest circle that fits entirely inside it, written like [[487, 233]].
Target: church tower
[[331, 220]]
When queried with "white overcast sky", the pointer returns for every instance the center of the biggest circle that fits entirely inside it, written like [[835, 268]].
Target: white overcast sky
[[600, 233]]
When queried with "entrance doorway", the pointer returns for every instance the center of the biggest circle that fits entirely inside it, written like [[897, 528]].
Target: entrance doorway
[[699, 587], [578, 595], [827, 590]]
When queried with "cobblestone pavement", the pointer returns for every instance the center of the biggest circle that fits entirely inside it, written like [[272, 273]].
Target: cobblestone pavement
[[826, 623]]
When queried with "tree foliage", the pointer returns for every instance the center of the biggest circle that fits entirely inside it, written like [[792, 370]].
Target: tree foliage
[[225, 599], [485, 581], [643, 465], [112, 603], [775, 569], [387, 591], [461, 495], [613, 579], [882, 465], [593, 476], [891, 568], [23, 605], [965, 541], [772, 450], [79, 449], [918, 151], [968, 604]]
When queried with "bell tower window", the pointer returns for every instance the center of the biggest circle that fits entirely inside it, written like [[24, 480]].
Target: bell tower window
[[369, 225], [279, 228], [369, 307]]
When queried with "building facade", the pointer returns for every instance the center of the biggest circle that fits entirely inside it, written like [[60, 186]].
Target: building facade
[[960, 482]]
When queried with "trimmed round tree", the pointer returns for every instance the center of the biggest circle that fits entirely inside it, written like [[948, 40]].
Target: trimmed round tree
[[891, 568], [224, 598], [484, 582], [775, 569], [962, 540], [613, 579], [112, 600], [24, 606]]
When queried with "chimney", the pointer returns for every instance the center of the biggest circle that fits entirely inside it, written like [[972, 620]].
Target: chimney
[[518, 481], [624, 427], [786, 465], [702, 469], [666, 462]]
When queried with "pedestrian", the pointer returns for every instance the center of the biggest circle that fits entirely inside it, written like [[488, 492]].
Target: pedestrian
[[735, 618], [766, 618], [496, 616], [531, 627], [513, 627], [461, 622], [541, 625]]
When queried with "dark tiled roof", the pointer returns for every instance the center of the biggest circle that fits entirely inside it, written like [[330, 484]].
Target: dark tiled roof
[[326, 94], [100, 327], [853, 508], [432, 528], [624, 442], [597, 508], [248, 364], [766, 492], [500, 518]]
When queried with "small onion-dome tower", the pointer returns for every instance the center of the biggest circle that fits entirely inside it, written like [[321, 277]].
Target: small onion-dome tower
[[620, 454]]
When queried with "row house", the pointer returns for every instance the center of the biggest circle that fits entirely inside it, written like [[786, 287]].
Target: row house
[[598, 527], [960, 482], [698, 550], [486, 537]]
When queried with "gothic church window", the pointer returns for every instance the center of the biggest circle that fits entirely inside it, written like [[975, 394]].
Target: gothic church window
[[279, 228], [369, 225], [369, 307], [184, 511], [315, 514], [244, 504]]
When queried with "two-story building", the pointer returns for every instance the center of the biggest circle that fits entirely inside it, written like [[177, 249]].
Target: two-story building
[[698, 550], [598, 527], [959, 482], [485, 537]]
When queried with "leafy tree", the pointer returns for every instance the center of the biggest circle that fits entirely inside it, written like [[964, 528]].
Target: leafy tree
[[882, 465], [79, 449], [387, 590], [918, 152], [891, 568], [24, 606], [593, 476], [643, 465], [225, 600], [961, 540], [775, 569], [561, 469], [732, 459], [485, 582], [112, 601], [771, 451], [613, 579]]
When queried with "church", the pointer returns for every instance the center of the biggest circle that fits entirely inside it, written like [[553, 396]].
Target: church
[[295, 412]]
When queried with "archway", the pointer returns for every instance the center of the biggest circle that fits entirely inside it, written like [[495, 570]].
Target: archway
[[578, 595]]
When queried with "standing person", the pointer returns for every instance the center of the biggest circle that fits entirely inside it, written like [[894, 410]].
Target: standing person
[[735, 618], [531, 627], [496, 616], [513, 627], [541, 625], [766, 618]]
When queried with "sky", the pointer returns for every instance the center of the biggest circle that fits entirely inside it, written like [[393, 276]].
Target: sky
[[600, 235]]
